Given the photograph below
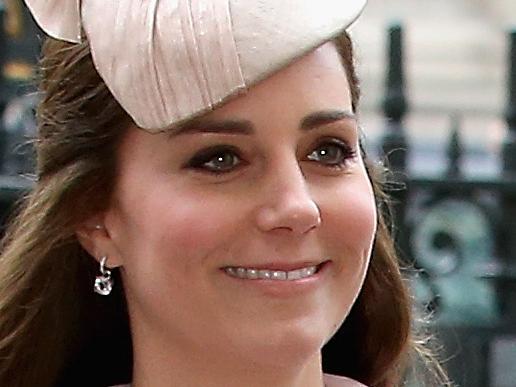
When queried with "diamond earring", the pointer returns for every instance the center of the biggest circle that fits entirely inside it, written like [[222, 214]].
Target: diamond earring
[[103, 282]]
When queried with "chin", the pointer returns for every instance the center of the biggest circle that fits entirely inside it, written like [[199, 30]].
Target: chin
[[288, 345]]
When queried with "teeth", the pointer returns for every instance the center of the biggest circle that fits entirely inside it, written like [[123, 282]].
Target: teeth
[[264, 274], [278, 275], [302, 273]]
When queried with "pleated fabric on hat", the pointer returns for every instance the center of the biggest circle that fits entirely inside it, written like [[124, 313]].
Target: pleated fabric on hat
[[166, 61]]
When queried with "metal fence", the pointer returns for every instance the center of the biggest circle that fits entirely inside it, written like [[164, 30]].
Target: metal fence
[[460, 233]]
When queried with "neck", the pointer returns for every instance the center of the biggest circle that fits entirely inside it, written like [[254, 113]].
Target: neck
[[161, 364]]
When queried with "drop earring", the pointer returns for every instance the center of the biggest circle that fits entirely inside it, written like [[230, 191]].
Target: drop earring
[[103, 282]]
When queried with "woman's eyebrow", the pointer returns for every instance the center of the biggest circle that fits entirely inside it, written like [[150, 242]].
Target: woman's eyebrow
[[204, 125], [325, 117], [246, 127]]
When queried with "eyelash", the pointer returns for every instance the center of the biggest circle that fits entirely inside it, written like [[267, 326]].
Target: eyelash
[[201, 159]]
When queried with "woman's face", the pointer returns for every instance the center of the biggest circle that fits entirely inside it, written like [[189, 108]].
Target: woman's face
[[273, 180]]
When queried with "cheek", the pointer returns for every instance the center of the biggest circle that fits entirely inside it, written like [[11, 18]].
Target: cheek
[[349, 228], [168, 241], [179, 228], [351, 221]]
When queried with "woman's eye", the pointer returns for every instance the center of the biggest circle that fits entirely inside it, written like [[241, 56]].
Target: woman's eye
[[225, 159], [216, 160], [333, 153]]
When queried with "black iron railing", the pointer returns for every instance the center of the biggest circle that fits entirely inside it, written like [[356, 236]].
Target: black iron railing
[[460, 233]]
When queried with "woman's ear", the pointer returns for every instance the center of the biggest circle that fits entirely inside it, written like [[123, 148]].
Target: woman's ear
[[95, 238]]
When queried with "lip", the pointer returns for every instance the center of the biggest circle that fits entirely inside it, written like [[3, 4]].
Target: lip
[[284, 266], [281, 289]]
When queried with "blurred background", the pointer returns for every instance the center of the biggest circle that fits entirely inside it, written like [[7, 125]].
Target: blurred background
[[439, 108], [455, 62]]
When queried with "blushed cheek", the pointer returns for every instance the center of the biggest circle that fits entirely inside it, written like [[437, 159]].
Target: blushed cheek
[[170, 240], [352, 221], [190, 230]]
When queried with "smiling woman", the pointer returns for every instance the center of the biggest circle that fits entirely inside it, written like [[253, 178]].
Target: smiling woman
[[261, 233], [238, 242]]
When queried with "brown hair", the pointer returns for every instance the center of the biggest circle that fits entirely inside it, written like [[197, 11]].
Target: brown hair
[[52, 326]]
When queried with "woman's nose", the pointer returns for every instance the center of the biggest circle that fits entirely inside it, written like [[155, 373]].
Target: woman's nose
[[288, 203]]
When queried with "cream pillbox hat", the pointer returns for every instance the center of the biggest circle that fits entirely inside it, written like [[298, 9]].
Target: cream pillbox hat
[[166, 61]]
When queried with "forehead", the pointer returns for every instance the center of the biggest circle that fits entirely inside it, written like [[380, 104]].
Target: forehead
[[316, 81]]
